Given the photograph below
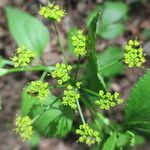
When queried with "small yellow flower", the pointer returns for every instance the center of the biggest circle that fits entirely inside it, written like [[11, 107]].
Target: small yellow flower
[[79, 43], [70, 97], [24, 127], [52, 12], [38, 89], [134, 56], [61, 72], [23, 57], [108, 100], [88, 135]]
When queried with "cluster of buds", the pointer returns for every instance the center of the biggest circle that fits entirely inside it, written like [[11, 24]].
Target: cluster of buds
[[24, 127], [133, 55], [61, 72], [79, 43], [52, 12], [108, 100], [38, 89], [71, 96], [23, 57], [88, 135]]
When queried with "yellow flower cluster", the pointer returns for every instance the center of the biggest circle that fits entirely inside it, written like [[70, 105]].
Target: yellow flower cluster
[[88, 135], [24, 127], [108, 100], [79, 43], [52, 12], [70, 97], [23, 57], [133, 55], [62, 73], [38, 89]]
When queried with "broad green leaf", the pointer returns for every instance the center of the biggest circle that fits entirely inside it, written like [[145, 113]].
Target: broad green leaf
[[110, 55], [92, 79], [110, 144], [110, 31], [137, 110], [55, 120], [27, 30], [113, 11], [69, 40]]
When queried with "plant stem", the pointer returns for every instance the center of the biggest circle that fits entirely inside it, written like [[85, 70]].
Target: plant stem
[[103, 68], [43, 76], [80, 112], [91, 92], [59, 41], [78, 66]]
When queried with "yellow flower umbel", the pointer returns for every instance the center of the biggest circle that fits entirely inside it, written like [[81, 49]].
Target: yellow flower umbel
[[70, 97], [23, 57], [133, 55], [24, 127], [52, 12], [79, 43], [88, 135], [61, 72], [108, 100], [38, 89]]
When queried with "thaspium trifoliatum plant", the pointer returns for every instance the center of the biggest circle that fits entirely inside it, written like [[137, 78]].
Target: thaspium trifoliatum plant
[[40, 103]]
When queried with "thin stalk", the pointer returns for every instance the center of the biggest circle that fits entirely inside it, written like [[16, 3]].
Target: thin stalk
[[78, 66], [91, 92], [35, 68], [60, 45], [43, 76], [80, 112], [109, 65]]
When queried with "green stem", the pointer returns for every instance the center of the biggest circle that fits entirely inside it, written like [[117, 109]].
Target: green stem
[[80, 112], [35, 68], [91, 92], [61, 47], [103, 68], [77, 70], [43, 76]]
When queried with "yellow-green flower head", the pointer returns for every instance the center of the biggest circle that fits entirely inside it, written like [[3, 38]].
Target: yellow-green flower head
[[88, 135], [108, 100], [52, 12], [38, 89], [134, 56], [70, 97], [61, 72], [79, 43], [24, 127], [23, 57]]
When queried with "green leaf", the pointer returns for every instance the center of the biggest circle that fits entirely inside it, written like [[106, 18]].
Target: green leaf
[[27, 30], [69, 40], [110, 31], [113, 11], [110, 55], [92, 80], [137, 112], [110, 144], [55, 120]]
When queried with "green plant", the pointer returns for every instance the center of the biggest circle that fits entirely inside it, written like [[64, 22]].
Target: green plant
[[52, 116]]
